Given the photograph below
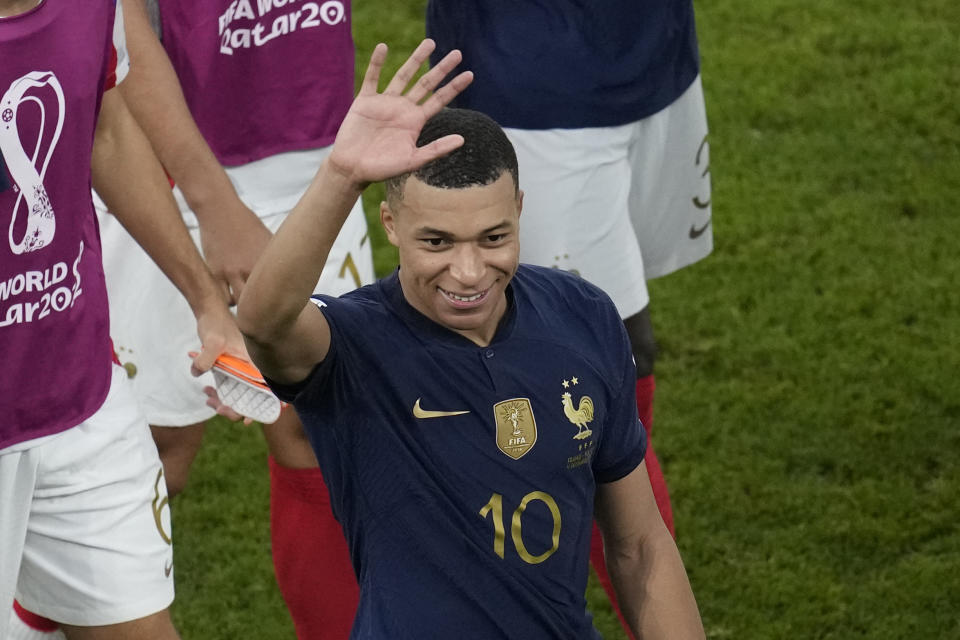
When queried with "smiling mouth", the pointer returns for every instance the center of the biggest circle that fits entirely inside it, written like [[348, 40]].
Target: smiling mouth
[[464, 301]]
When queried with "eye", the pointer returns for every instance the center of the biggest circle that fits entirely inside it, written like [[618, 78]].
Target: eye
[[434, 242], [494, 238]]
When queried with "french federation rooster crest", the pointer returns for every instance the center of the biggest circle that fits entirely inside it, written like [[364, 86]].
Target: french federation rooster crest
[[579, 416]]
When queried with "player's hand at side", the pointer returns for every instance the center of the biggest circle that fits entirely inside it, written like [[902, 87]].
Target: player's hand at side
[[214, 402], [232, 241], [218, 333], [217, 329], [378, 137]]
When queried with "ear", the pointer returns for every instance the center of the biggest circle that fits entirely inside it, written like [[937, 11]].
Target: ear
[[519, 201], [389, 222]]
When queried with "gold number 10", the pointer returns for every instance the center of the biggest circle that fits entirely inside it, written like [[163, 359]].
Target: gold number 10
[[516, 525]]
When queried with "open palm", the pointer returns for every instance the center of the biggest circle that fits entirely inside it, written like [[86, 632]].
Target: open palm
[[378, 137]]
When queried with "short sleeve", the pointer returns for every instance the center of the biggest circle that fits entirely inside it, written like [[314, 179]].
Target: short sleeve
[[344, 366], [624, 441], [320, 373]]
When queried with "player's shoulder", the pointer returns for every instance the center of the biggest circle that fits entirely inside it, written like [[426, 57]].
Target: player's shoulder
[[549, 286], [373, 309], [564, 304], [363, 303]]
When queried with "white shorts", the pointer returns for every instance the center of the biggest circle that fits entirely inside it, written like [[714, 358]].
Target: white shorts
[[85, 536], [619, 205], [152, 326]]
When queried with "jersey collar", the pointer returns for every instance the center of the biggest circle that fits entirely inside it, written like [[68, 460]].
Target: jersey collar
[[424, 326]]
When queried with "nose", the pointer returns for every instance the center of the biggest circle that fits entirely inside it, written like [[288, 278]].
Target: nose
[[466, 265]]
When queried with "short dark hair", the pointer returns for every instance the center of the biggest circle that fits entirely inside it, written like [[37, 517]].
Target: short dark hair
[[485, 155]]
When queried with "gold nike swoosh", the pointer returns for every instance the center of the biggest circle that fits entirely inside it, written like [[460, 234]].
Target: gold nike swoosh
[[423, 413]]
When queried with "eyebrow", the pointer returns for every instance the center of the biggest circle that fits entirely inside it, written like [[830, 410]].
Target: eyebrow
[[446, 235]]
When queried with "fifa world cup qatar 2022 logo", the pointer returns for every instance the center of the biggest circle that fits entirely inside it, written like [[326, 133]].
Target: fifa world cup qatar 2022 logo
[[31, 120], [253, 23]]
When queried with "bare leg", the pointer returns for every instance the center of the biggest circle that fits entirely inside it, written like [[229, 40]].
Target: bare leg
[[287, 443], [177, 446], [153, 627]]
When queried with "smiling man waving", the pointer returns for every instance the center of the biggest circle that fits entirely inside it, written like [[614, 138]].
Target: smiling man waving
[[463, 396]]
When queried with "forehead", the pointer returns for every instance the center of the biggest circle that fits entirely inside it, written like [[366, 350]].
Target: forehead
[[423, 204]]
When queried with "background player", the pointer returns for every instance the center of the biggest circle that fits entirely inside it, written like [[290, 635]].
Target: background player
[[419, 393], [604, 105], [241, 123], [84, 528], [270, 140]]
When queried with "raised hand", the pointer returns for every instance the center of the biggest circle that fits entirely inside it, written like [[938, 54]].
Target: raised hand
[[378, 137]]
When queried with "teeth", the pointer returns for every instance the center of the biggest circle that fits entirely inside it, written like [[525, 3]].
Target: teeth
[[464, 298]]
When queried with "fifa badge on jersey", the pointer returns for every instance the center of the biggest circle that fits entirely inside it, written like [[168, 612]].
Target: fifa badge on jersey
[[516, 427]]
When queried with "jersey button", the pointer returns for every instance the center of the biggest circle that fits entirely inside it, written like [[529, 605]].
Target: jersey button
[[489, 353]]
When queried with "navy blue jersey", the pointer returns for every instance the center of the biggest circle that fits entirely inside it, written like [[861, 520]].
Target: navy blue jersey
[[464, 476], [568, 63]]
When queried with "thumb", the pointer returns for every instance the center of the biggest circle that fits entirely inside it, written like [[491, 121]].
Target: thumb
[[204, 360]]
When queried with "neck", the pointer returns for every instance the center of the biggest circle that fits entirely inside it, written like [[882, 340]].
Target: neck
[[11, 8], [483, 336], [480, 336]]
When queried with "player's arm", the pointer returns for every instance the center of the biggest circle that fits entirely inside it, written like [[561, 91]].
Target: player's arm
[[231, 235], [644, 564], [286, 335], [129, 178]]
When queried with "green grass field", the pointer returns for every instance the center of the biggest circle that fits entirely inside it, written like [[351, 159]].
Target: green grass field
[[808, 407]]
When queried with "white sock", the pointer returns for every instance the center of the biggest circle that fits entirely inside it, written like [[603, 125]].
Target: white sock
[[20, 630]]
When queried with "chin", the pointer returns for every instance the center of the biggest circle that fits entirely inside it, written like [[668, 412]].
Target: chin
[[475, 321], [462, 322]]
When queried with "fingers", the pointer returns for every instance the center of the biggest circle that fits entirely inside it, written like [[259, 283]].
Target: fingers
[[213, 401], [232, 278], [204, 360], [401, 78], [236, 287], [430, 80], [446, 93], [437, 148], [371, 79], [427, 83], [222, 278]]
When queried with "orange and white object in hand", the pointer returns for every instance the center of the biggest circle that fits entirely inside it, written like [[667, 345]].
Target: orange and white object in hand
[[241, 386]]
